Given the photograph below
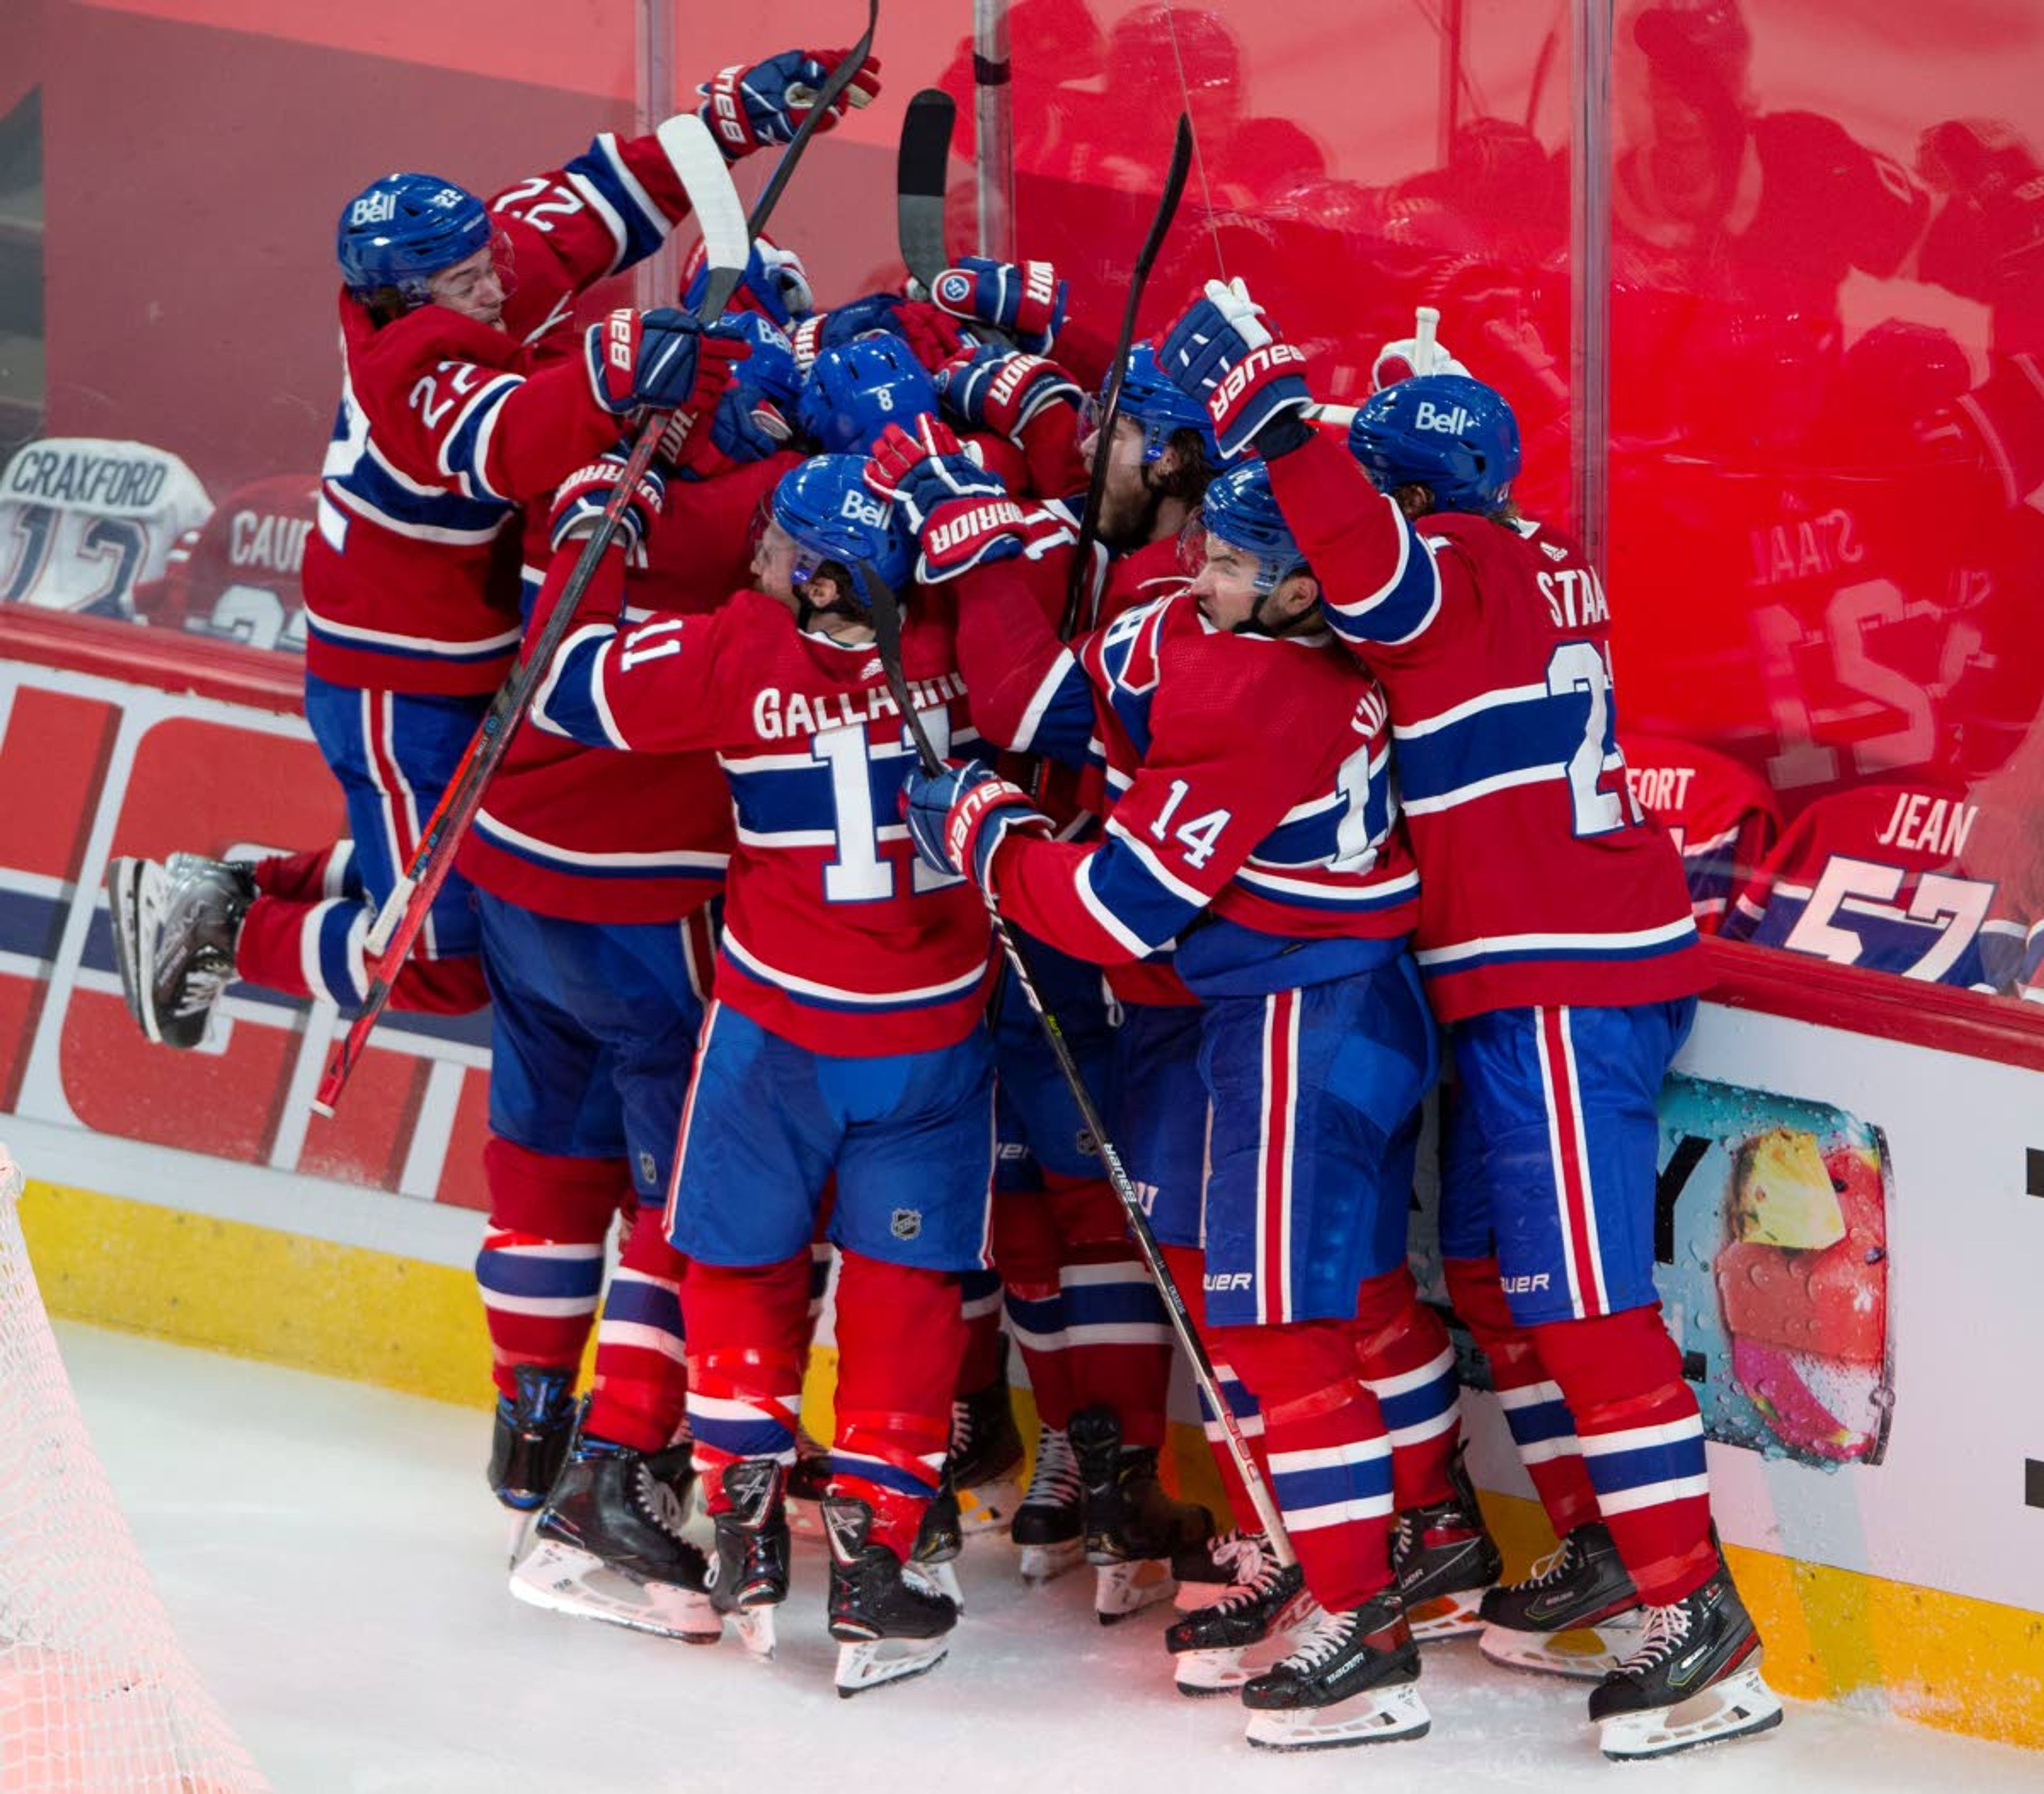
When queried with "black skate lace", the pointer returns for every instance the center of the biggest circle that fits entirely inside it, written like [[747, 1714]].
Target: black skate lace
[[1055, 1483], [1326, 1633], [1663, 1633]]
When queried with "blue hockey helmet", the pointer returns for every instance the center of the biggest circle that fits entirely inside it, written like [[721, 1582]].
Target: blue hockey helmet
[[1149, 400], [1240, 509], [825, 507], [402, 230], [856, 389], [766, 386], [1453, 435]]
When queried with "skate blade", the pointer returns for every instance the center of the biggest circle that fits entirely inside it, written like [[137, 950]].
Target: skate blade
[[1045, 1563], [1199, 1673], [1585, 1653], [147, 906], [937, 1579], [1732, 1708], [1452, 1616], [122, 876], [754, 1627], [1120, 1590], [878, 1662], [563, 1580], [1377, 1716], [518, 1533], [987, 1508]]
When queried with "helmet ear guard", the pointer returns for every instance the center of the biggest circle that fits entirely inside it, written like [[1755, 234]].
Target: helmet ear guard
[[1455, 436], [398, 232]]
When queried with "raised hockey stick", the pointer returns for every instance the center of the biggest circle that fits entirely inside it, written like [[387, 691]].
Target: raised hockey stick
[[921, 169], [887, 631], [727, 233], [1167, 206], [1426, 320]]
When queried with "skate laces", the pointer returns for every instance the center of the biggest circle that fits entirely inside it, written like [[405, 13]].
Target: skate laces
[[1056, 1482], [1663, 1632], [1323, 1637], [1553, 1568], [1242, 1554], [657, 1500]]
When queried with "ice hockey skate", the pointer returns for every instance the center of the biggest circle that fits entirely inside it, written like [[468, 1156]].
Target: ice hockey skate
[[985, 1452], [1209, 1645], [1577, 1614], [1444, 1558], [608, 1544], [1694, 1679], [175, 927], [1217, 1566], [1133, 1528], [888, 1627], [749, 1576], [939, 1540], [1049, 1524], [807, 1479], [1352, 1678]]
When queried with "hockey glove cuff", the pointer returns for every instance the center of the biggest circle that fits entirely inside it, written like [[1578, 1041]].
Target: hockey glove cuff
[[581, 498], [959, 818], [746, 108], [659, 359], [994, 390]]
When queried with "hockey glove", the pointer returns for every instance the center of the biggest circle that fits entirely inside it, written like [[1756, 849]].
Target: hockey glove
[[962, 515], [660, 359], [1400, 361], [580, 499], [776, 284], [997, 390], [1026, 299], [750, 420], [959, 818], [747, 108], [1220, 353]]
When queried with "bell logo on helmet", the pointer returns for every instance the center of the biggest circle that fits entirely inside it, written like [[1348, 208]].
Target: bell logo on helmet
[[860, 506], [373, 208], [1453, 421]]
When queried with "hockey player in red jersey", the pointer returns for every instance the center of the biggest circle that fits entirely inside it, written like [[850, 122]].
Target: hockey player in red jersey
[[463, 395], [1720, 814], [236, 576], [844, 1039], [1255, 831], [1567, 986]]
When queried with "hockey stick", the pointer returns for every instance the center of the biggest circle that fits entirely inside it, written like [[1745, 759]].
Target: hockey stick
[[1167, 206], [728, 233], [1426, 320], [887, 631], [921, 169]]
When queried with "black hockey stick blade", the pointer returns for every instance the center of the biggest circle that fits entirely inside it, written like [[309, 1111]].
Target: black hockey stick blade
[[1167, 206], [887, 644], [922, 170], [840, 78]]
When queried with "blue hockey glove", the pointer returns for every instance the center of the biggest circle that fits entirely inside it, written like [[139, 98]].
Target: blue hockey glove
[[746, 108], [755, 417], [962, 515], [659, 359], [1220, 353], [998, 390], [580, 499], [1026, 299], [957, 818]]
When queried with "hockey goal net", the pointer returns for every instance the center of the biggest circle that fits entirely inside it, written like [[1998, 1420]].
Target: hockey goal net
[[96, 1696]]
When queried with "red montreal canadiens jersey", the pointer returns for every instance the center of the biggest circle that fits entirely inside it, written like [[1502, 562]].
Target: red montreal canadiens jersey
[[444, 427], [1249, 776], [836, 937], [1720, 816], [1877, 877], [237, 576], [1545, 882]]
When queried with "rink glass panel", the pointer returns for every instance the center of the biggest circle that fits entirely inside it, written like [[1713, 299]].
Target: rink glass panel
[[1810, 499]]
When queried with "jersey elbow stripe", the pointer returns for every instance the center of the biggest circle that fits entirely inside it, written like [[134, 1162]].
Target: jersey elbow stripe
[[465, 450], [1405, 604], [1064, 695], [1131, 940]]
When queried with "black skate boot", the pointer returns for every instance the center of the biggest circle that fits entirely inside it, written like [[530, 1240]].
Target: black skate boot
[[1353, 1678], [888, 1627], [175, 926], [1444, 1558], [810, 1475], [939, 1540], [1695, 1678], [1207, 1645], [608, 1544], [1049, 1524], [1218, 1566], [533, 1432], [1133, 1528], [749, 1578], [1576, 1614], [985, 1451]]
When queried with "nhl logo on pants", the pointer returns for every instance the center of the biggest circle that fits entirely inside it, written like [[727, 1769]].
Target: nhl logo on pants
[[906, 1224]]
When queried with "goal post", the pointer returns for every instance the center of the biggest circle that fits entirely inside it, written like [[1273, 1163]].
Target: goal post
[[96, 1695]]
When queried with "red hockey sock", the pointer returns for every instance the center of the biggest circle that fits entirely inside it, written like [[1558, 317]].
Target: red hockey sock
[[900, 1334], [1542, 1426], [310, 877], [1118, 1341], [1642, 1443], [748, 1341], [1025, 1252], [541, 1265], [642, 1381], [1330, 1461], [315, 950], [1403, 1352], [1188, 1267], [979, 1307]]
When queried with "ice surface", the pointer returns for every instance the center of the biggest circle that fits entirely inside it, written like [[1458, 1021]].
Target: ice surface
[[334, 1565]]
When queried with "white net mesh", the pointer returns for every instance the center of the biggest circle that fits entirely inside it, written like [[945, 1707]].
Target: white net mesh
[[96, 1697]]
